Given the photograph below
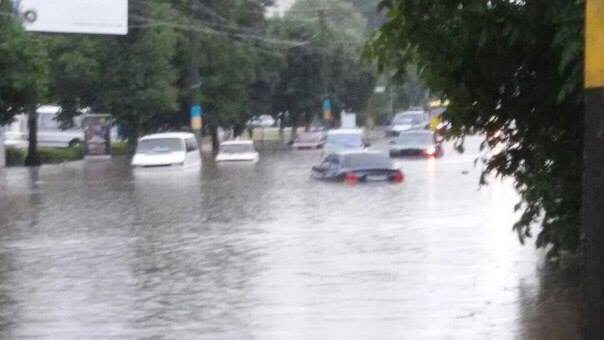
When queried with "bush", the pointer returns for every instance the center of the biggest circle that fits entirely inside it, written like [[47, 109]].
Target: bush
[[54, 156], [16, 157], [119, 149]]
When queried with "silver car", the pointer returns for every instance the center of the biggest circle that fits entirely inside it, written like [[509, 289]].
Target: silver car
[[421, 143]]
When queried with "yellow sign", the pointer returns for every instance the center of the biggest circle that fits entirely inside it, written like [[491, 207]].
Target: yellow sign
[[434, 123], [196, 123], [594, 44]]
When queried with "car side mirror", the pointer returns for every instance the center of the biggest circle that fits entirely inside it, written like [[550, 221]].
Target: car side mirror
[[317, 169], [367, 145]]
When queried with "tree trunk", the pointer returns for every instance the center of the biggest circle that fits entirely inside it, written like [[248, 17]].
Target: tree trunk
[[215, 140], [32, 158], [294, 130], [133, 131], [237, 130], [281, 126]]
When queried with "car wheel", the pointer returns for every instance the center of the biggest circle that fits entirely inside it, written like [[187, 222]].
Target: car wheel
[[75, 143]]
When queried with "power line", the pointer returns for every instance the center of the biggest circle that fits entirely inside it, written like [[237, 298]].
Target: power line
[[214, 31]]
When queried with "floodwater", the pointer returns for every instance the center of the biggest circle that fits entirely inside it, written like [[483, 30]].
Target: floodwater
[[94, 250]]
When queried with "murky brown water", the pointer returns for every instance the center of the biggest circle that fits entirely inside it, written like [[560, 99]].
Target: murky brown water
[[97, 251]]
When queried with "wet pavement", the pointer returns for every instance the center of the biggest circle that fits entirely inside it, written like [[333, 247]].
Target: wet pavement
[[260, 251]]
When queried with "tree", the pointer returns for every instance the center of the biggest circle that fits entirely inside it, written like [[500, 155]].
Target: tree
[[132, 76], [233, 62], [326, 64], [75, 74], [513, 71], [24, 65], [370, 10]]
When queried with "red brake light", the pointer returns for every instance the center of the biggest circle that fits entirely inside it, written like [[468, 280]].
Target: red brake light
[[351, 178], [398, 177], [431, 151]]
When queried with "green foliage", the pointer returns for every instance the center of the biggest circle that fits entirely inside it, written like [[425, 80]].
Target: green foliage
[[334, 34], [119, 149], [236, 73], [511, 70], [16, 157], [369, 9], [55, 156], [138, 79], [248, 65], [23, 61]]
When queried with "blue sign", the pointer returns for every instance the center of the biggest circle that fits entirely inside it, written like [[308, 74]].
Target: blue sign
[[196, 111], [326, 105]]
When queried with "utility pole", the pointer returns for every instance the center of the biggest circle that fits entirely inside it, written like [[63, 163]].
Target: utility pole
[[195, 87], [327, 109], [593, 173]]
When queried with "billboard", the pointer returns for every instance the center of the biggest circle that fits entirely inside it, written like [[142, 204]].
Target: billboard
[[75, 16], [97, 135]]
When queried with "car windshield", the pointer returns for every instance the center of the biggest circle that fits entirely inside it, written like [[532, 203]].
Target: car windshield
[[415, 138], [352, 140], [160, 145], [408, 119], [237, 148], [367, 161]]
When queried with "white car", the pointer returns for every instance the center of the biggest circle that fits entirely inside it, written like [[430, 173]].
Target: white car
[[405, 121], [345, 140], [237, 150], [263, 121], [167, 149]]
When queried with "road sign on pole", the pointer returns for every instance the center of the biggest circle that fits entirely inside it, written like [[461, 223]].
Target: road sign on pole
[[327, 114], [196, 122], [594, 40], [75, 16], [593, 176]]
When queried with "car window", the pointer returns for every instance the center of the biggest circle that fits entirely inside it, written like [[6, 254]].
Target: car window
[[191, 145], [415, 138], [159, 145], [48, 122], [367, 161], [409, 119], [352, 140], [237, 148], [327, 162]]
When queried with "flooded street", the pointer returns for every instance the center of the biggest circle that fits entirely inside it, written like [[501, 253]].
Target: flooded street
[[261, 251]]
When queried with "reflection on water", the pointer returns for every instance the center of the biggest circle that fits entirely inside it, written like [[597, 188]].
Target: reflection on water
[[95, 250]]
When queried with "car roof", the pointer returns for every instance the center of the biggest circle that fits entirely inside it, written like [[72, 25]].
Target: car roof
[[238, 142], [411, 113], [417, 132], [345, 131], [310, 132], [358, 152], [181, 135]]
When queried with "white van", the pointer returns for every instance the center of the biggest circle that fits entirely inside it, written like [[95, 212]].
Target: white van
[[167, 149], [50, 133]]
